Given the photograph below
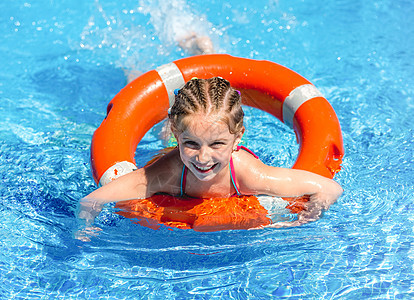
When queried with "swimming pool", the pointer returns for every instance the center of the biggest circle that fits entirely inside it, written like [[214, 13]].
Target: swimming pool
[[63, 62]]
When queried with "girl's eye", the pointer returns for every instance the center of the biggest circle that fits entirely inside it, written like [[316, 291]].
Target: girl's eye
[[190, 144], [217, 144]]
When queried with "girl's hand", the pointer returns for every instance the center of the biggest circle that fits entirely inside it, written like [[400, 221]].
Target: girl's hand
[[87, 211], [311, 213], [328, 195], [312, 209]]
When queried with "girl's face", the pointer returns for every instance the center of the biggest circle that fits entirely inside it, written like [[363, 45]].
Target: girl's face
[[206, 145]]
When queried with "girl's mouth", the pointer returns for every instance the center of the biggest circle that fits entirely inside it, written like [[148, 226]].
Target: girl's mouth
[[204, 169]]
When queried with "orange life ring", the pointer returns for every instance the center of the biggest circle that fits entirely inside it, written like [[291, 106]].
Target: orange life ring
[[263, 84]]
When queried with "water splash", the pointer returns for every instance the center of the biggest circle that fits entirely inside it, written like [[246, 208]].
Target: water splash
[[138, 36]]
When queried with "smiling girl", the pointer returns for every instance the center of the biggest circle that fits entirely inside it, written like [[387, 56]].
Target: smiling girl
[[207, 121]]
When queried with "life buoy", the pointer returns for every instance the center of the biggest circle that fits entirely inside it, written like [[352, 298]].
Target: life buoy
[[263, 84]]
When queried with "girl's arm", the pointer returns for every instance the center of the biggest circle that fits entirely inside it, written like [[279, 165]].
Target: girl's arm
[[282, 182], [130, 186], [160, 176], [127, 187]]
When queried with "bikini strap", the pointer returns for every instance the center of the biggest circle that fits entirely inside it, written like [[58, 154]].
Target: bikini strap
[[248, 150], [233, 176], [183, 181], [233, 173]]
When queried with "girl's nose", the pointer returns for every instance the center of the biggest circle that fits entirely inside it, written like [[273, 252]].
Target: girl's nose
[[203, 155]]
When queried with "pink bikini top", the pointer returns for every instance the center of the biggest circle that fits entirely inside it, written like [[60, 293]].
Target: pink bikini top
[[232, 173]]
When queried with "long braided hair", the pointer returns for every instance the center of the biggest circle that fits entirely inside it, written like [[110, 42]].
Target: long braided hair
[[208, 96]]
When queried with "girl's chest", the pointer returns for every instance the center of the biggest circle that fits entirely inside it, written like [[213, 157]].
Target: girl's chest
[[201, 189]]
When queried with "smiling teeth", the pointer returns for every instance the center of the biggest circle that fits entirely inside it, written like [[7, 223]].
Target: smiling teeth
[[204, 169]]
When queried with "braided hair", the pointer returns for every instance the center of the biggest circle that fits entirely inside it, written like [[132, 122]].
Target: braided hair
[[208, 96]]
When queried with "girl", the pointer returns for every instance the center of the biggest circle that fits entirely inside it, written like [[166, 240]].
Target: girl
[[207, 121]]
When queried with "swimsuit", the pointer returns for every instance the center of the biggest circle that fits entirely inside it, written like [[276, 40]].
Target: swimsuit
[[232, 173]]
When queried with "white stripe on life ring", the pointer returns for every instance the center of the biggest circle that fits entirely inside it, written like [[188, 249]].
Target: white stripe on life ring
[[172, 78], [117, 170], [296, 98]]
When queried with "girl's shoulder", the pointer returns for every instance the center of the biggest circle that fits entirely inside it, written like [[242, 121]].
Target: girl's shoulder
[[245, 157], [164, 173], [246, 163], [249, 170]]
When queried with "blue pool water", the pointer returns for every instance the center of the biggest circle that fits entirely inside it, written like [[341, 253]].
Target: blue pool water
[[61, 63]]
